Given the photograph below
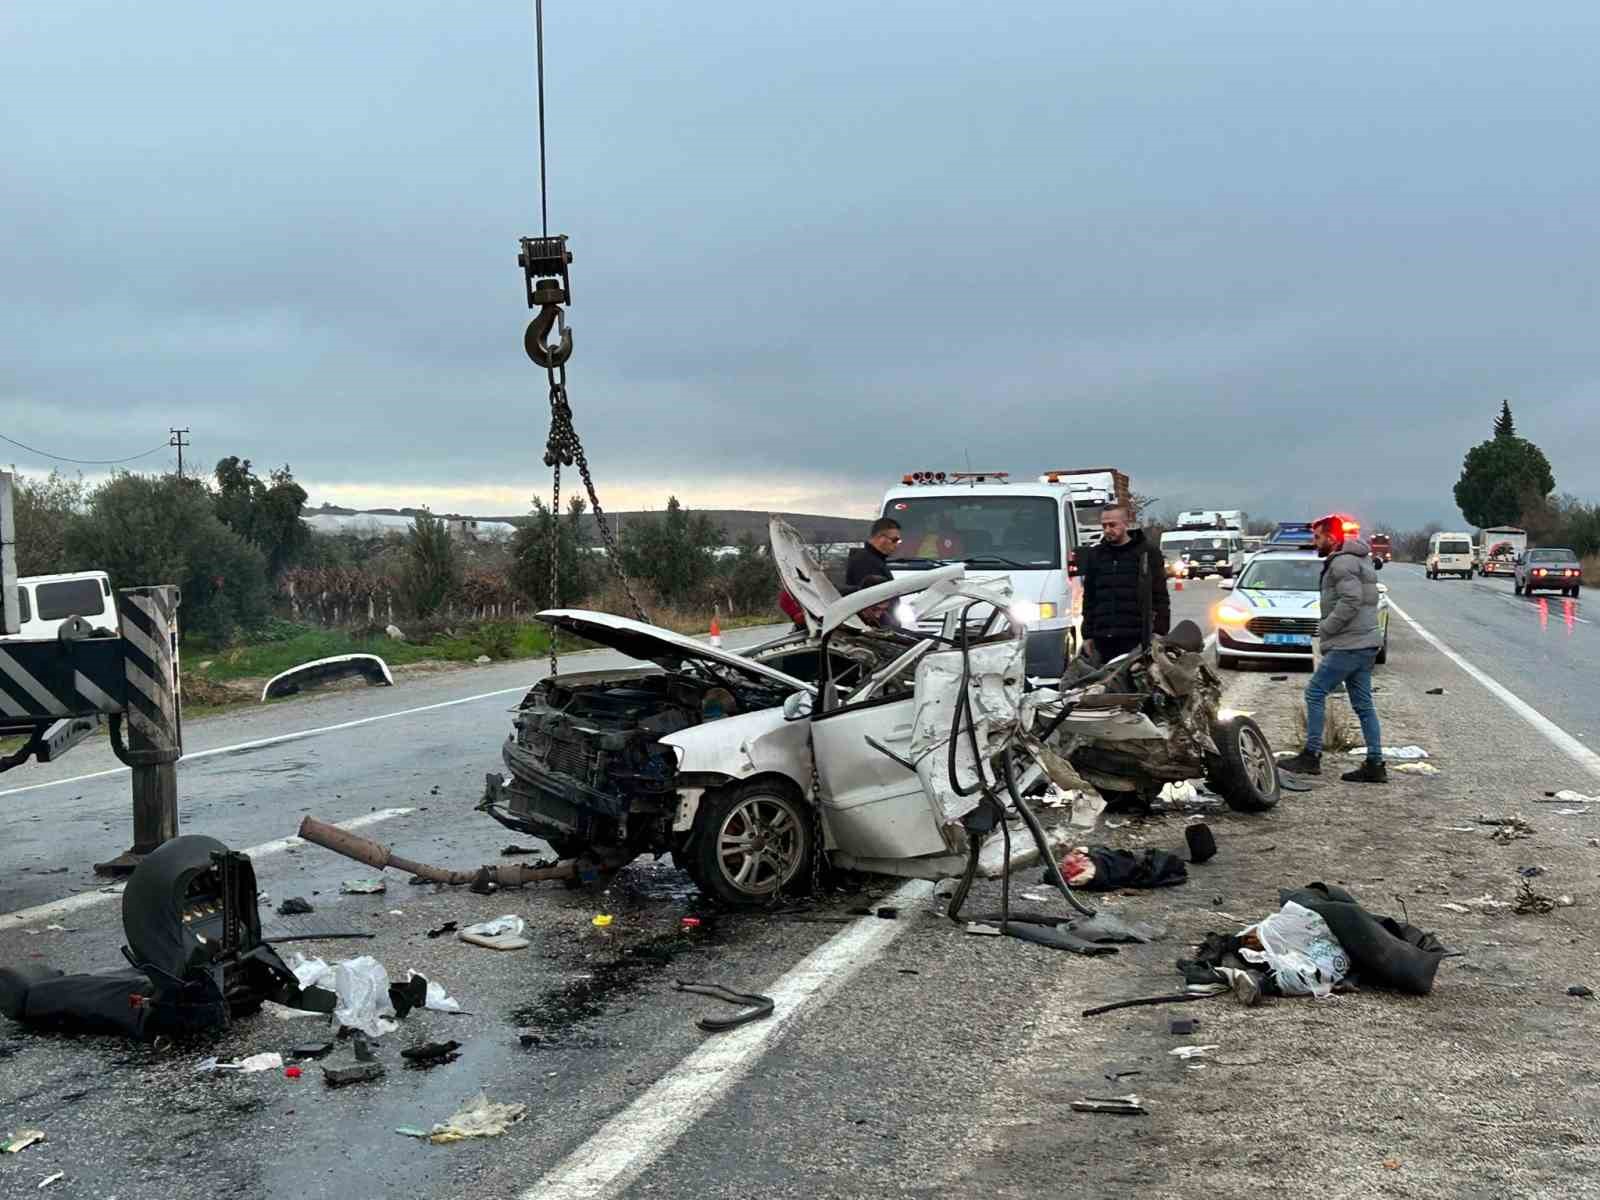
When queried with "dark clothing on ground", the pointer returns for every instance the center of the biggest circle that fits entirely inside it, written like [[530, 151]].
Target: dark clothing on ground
[[864, 562], [1124, 592]]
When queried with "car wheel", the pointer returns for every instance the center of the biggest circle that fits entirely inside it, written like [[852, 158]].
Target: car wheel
[[749, 843], [1228, 662], [1243, 773]]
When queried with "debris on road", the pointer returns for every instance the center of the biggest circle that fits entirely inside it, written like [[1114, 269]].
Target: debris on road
[[361, 985], [269, 1061], [49, 1179], [1579, 990], [21, 1140], [1416, 768], [1507, 829], [982, 929], [362, 1072], [363, 887], [513, 850], [1120, 1106], [1568, 796], [480, 1117], [295, 906], [1529, 901], [1393, 753], [1439, 691], [600, 920], [485, 879], [1292, 783], [754, 1007], [434, 996], [447, 927], [502, 933], [1183, 1026], [312, 1050], [1103, 868], [430, 1054], [1188, 1052], [1202, 843]]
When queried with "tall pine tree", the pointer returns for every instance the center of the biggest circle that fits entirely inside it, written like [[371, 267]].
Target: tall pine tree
[[1504, 426]]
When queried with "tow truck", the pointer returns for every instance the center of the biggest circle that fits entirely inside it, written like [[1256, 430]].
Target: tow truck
[[994, 527]]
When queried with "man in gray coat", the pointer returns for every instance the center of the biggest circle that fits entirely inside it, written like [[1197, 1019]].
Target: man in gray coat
[[1350, 640]]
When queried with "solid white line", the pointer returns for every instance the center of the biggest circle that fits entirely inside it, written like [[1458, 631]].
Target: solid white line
[[635, 1137], [1560, 738], [71, 904], [258, 743]]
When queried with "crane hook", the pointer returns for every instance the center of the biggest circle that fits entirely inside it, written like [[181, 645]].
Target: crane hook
[[536, 341]]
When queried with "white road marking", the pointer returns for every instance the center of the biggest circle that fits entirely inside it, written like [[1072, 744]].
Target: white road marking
[[1560, 738], [258, 743], [71, 904], [1533, 607], [638, 1135]]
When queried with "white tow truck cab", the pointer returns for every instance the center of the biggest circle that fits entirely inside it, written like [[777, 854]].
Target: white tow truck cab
[[1207, 541], [44, 602], [1027, 531]]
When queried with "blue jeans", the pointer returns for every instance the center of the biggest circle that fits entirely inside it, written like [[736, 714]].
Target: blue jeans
[[1353, 668]]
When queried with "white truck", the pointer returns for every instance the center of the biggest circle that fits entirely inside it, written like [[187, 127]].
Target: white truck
[[1207, 541], [1027, 531], [1498, 549], [1092, 489]]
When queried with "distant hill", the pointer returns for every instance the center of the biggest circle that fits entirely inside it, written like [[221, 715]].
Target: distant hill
[[814, 527]]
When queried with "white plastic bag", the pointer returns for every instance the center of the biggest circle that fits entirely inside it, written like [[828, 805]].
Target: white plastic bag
[[1304, 956], [363, 989]]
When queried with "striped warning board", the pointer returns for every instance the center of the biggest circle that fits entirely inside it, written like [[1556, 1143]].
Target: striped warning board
[[149, 624], [45, 680]]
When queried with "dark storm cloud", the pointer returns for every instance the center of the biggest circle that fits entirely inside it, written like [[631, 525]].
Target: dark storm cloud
[[1281, 256]]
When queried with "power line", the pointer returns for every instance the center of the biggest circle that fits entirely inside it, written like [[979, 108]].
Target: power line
[[85, 462]]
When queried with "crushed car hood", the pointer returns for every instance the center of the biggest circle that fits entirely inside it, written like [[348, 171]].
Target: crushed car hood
[[802, 577], [660, 646]]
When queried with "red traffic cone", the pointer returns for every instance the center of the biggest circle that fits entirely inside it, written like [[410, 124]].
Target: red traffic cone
[[1177, 584], [716, 632]]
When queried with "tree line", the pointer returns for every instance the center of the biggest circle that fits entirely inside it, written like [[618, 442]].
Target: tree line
[[237, 546]]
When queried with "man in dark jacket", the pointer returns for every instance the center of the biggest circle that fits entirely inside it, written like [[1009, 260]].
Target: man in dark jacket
[[1351, 638], [873, 557], [1124, 588]]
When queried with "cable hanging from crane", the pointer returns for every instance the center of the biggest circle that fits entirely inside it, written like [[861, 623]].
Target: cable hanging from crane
[[545, 261]]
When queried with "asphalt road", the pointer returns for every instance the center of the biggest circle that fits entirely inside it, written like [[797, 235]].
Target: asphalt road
[[905, 1058]]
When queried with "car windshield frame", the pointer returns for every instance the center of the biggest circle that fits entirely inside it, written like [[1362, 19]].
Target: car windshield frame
[[944, 538], [1261, 565]]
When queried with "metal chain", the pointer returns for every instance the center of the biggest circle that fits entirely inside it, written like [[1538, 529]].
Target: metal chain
[[564, 448], [555, 556]]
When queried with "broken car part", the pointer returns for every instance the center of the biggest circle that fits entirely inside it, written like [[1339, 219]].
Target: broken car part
[[328, 670], [362, 1072], [431, 1054], [1121, 1106], [375, 854], [755, 1007]]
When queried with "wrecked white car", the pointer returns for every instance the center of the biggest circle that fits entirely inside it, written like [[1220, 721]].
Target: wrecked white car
[[885, 747]]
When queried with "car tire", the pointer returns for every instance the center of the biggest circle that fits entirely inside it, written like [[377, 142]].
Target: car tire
[[1243, 772], [1228, 662], [749, 812]]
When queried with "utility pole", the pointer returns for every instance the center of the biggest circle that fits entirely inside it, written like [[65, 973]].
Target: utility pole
[[177, 440]]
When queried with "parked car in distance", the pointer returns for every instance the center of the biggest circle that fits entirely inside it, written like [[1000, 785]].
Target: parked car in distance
[[1552, 569], [1275, 607], [1450, 554]]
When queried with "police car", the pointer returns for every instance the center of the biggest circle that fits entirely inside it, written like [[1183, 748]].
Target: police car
[[1276, 604]]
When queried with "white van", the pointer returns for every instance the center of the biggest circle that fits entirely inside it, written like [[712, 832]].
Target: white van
[[1450, 554], [45, 601]]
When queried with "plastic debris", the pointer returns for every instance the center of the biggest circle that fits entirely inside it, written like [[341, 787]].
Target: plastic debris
[[1187, 1052], [1568, 796], [362, 986], [1394, 753], [408, 1131], [502, 933], [49, 1179], [291, 1072], [362, 887], [689, 922], [295, 906], [21, 1140], [270, 1061], [1416, 768], [601, 920], [479, 1117]]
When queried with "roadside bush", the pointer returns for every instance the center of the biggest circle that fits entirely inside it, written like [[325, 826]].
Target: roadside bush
[[1340, 732], [498, 638], [45, 509], [431, 570], [144, 529]]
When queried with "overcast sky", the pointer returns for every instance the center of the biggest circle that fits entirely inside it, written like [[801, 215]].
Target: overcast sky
[[1279, 255]]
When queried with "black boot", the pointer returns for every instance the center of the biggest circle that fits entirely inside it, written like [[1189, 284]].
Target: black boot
[[1307, 762], [1373, 770]]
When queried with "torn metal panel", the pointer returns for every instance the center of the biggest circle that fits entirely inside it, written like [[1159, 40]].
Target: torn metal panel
[[994, 687]]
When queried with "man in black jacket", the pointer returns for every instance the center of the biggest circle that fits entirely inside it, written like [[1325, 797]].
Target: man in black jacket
[[873, 557], [1124, 588]]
